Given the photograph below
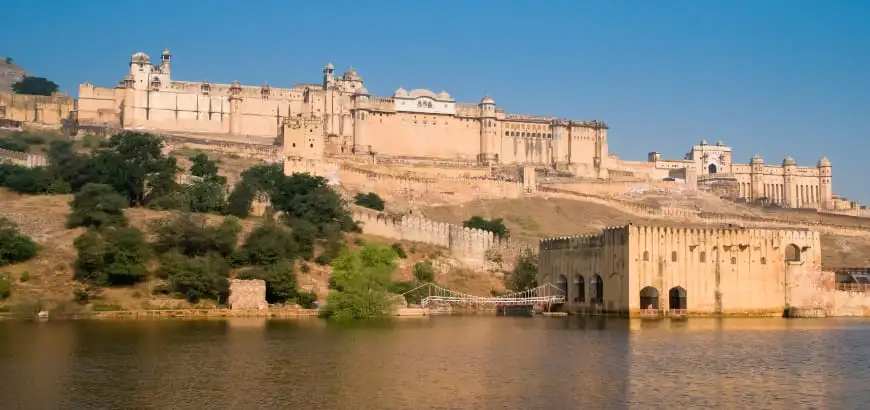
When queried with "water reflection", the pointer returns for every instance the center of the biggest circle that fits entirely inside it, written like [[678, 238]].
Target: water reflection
[[439, 362]]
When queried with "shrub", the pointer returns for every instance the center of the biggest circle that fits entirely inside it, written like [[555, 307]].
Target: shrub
[[59, 187], [280, 280], [97, 205], [25, 276], [424, 271], [240, 199], [13, 145], [267, 244], [202, 277], [191, 236], [306, 299], [495, 226], [370, 200], [112, 256], [400, 251], [5, 288], [25, 180], [15, 247]]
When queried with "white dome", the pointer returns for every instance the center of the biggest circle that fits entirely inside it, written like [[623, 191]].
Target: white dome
[[487, 100], [443, 96], [400, 93], [362, 91]]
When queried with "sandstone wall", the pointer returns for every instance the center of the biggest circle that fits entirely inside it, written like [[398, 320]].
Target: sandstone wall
[[818, 289], [474, 247], [23, 158], [47, 110], [248, 294]]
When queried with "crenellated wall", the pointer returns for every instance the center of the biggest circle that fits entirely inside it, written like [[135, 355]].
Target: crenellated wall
[[23, 158], [474, 247], [640, 270]]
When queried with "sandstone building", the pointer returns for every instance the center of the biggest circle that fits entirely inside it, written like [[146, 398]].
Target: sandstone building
[[635, 270], [786, 185], [49, 111], [410, 124]]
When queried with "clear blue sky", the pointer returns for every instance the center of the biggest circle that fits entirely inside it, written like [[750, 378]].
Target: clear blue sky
[[770, 77]]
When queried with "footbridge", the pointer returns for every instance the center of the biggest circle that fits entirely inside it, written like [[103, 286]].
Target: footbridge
[[434, 295]]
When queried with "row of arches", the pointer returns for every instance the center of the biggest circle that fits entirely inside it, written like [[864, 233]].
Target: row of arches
[[677, 298], [577, 292]]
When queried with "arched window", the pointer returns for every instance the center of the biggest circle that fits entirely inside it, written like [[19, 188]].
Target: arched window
[[792, 253], [597, 288], [562, 284], [649, 298], [733, 260], [646, 255], [763, 260], [580, 289]]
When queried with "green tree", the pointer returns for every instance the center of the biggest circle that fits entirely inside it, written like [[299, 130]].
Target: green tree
[[191, 235], [13, 145], [240, 199], [267, 244], [424, 271], [206, 196], [5, 288], [133, 164], [111, 256], [34, 86], [495, 226], [201, 277], [264, 178], [307, 197], [360, 282], [525, 273], [370, 200], [97, 205], [203, 167], [15, 247], [25, 180]]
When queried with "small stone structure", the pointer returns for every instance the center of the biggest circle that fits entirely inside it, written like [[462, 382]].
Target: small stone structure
[[248, 294]]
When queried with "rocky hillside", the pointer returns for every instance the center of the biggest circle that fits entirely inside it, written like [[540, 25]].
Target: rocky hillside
[[9, 74]]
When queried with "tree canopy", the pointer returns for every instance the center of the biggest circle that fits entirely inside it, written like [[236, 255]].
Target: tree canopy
[[35, 86], [495, 226]]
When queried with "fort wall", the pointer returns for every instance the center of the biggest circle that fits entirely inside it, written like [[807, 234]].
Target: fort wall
[[474, 247], [23, 158], [45, 110]]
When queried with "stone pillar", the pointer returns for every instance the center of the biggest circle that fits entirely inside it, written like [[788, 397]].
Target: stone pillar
[[826, 191], [789, 187], [756, 173]]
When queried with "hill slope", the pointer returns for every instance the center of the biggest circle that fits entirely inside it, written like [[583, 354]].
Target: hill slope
[[9, 74]]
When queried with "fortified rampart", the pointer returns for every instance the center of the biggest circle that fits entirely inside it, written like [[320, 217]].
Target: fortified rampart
[[23, 158], [37, 109], [476, 248]]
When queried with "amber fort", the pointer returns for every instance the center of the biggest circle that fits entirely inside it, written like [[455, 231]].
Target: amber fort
[[418, 147]]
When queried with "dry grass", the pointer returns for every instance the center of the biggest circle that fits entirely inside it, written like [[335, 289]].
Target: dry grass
[[51, 273]]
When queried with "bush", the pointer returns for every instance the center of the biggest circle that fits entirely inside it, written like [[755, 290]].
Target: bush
[[424, 271], [112, 256], [370, 200], [13, 145], [240, 199], [191, 236], [307, 299], [203, 277], [280, 281], [495, 226], [5, 288], [25, 276], [59, 187], [400, 250], [97, 205], [15, 247], [267, 244], [25, 180]]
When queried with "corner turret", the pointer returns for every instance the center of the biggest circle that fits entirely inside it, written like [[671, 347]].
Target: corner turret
[[826, 189]]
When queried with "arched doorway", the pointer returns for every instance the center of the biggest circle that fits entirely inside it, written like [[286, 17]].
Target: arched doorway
[[711, 169], [792, 253], [597, 288], [649, 298], [579, 289], [677, 298], [562, 284]]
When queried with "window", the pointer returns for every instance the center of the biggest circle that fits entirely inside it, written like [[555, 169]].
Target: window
[[646, 255], [674, 256], [703, 257], [763, 260], [733, 260]]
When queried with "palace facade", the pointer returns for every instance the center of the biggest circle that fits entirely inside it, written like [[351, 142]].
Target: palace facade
[[415, 124], [651, 270]]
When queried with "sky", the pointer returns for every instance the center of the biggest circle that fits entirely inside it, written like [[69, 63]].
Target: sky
[[767, 77]]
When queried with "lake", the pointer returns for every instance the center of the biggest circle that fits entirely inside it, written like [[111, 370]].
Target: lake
[[439, 362]]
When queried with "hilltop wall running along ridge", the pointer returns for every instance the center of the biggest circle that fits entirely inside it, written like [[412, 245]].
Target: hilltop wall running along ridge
[[474, 247]]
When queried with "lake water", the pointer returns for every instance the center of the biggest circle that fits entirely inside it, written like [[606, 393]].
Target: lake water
[[440, 362]]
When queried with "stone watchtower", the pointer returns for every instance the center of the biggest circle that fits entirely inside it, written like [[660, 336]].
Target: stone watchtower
[[235, 108], [825, 188], [360, 116], [488, 131], [756, 172], [788, 187]]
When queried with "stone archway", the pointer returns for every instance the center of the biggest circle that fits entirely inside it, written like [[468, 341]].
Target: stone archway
[[649, 298], [792, 253], [677, 298], [597, 290], [711, 169], [580, 289], [562, 284]]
